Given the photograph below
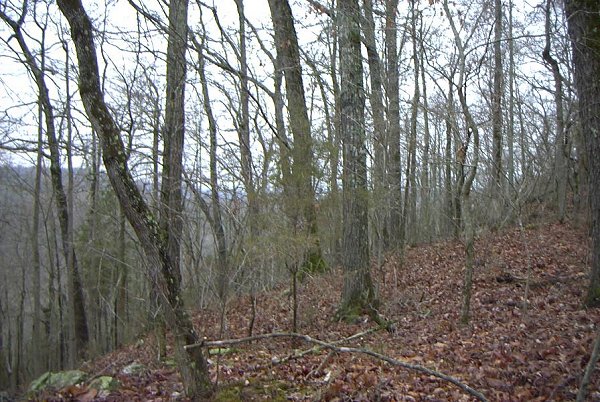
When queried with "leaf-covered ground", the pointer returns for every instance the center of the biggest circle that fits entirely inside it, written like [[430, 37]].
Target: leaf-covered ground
[[507, 352]]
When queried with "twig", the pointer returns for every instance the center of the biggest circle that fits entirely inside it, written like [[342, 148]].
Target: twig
[[344, 349], [314, 349]]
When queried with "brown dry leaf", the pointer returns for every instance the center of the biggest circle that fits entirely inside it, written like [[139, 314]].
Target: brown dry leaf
[[87, 396]]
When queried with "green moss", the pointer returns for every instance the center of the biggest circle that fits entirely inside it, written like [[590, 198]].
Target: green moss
[[232, 393], [348, 313]]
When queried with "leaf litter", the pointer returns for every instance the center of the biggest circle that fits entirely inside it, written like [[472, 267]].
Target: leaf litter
[[507, 352]]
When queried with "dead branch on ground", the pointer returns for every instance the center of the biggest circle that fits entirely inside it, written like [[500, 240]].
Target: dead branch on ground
[[343, 349]]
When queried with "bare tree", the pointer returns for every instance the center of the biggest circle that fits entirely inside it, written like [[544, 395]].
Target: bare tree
[[154, 240], [560, 164], [468, 170], [393, 135], [497, 123], [379, 128], [305, 220], [80, 335]]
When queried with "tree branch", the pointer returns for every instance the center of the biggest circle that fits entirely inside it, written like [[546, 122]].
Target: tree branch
[[343, 349]]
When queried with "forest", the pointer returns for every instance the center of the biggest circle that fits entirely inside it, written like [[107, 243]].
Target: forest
[[386, 200]]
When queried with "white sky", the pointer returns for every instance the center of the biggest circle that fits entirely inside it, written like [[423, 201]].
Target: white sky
[[17, 100]]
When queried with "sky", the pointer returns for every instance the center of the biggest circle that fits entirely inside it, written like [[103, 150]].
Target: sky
[[17, 99]]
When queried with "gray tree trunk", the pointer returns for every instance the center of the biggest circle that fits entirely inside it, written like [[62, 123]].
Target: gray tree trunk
[[379, 127], [244, 124], [497, 173], [358, 294], [583, 18], [153, 239], [393, 135], [560, 165], [303, 214]]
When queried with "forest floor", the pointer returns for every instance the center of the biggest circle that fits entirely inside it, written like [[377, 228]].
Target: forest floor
[[506, 352]]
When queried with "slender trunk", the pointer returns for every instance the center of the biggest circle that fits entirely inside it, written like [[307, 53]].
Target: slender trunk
[[497, 174], [20, 363], [471, 170], [426, 188], [121, 308], [75, 284], [449, 193], [214, 214], [335, 144], [244, 124], [409, 212], [379, 124], [510, 162], [393, 135], [156, 243], [76, 300], [560, 165], [304, 215], [38, 340]]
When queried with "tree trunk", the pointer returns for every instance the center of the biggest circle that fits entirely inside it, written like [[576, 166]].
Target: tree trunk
[[560, 164], [80, 328], [213, 213], [153, 239], [426, 186], [358, 294], [379, 126], [448, 190], [38, 340], [305, 220], [393, 135], [510, 162], [584, 30], [410, 200], [244, 125], [466, 178], [497, 175]]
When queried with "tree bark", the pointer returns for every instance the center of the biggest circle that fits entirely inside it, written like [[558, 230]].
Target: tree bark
[[497, 174], [560, 163], [305, 221], [358, 294], [153, 239], [38, 341], [393, 135], [379, 126], [583, 18]]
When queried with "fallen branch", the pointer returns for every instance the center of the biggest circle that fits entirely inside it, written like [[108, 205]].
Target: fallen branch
[[314, 349], [343, 349]]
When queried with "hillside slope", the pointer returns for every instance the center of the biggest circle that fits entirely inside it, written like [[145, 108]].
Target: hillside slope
[[507, 353]]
